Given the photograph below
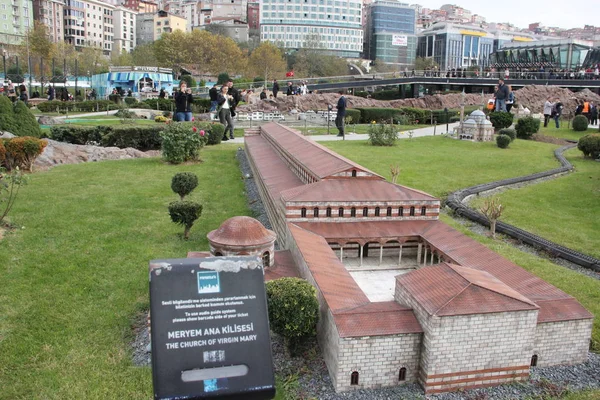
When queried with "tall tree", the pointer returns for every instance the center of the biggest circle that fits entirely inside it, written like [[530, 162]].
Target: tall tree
[[424, 63], [172, 50], [266, 61], [144, 55]]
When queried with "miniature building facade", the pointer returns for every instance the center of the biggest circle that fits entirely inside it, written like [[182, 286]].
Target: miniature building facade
[[475, 128], [404, 297]]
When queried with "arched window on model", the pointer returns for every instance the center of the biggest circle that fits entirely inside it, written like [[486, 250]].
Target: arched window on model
[[401, 211], [353, 212], [402, 374], [365, 211], [354, 378], [316, 212], [389, 212], [328, 212], [354, 173], [423, 210], [377, 209], [412, 211], [303, 212], [534, 360], [266, 259], [218, 254], [341, 212]]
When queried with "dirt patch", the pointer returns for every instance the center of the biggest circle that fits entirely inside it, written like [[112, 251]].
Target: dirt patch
[[538, 137]]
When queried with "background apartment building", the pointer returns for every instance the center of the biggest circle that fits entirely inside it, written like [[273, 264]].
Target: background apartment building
[[125, 22], [16, 18], [390, 35], [151, 26], [334, 26], [50, 13]]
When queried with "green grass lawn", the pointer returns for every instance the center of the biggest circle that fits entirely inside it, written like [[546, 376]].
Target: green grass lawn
[[354, 128], [565, 210], [565, 133], [75, 274], [440, 165]]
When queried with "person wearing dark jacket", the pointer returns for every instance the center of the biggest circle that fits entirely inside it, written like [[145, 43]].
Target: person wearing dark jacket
[[341, 114], [557, 111], [161, 94], [183, 103], [263, 94], [213, 93], [275, 88], [501, 95], [233, 92], [224, 101]]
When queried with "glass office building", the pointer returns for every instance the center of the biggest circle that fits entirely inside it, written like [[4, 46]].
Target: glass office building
[[554, 53], [391, 28], [334, 26]]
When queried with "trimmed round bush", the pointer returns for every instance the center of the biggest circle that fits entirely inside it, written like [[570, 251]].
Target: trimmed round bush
[[501, 119], [22, 152], [580, 123], [7, 116], [526, 127], [382, 135], [293, 308], [184, 183], [589, 145], [185, 213], [508, 132], [503, 141]]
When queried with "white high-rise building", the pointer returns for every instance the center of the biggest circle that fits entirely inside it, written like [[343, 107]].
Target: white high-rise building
[[331, 25], [125, 24]]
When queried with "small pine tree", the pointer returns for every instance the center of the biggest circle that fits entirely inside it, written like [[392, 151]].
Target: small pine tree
[[222, 78], [7, 116], [28, 125], [185, 213]]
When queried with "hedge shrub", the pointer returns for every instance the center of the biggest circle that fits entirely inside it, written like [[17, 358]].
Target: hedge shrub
[[2, 152], [382, 134], [214, 132], [182, 142], [185, 213], [27, 124], [501, 119], [7, 116], [580, 123], [293, 308], [198, 106], [183, 183], [22, 151], [354, 114], [386, 95], [589, 145], [526, 127], [503, 141], [139, 137], [88, 106], [508, 132]]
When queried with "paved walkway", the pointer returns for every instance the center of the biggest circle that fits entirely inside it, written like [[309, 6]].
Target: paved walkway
[[427, 131], [91, 114]]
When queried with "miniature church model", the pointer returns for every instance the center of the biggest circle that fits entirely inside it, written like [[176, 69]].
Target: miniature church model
[[476, 128]]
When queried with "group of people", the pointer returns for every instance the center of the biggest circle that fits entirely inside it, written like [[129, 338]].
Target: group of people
[[15, 92], [552, 110], [504, 98], [589, 110], [223, 102]]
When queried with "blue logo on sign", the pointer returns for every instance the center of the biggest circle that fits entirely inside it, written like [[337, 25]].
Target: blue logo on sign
[[208, 282]]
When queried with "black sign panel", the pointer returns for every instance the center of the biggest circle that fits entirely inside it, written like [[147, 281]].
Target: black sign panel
[[210, 329]]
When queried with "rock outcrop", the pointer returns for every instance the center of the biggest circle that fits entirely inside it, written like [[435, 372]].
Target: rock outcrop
[[532, 97], [57, 153]]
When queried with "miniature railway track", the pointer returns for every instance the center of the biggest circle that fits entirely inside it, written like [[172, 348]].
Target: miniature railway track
[[455, 202]]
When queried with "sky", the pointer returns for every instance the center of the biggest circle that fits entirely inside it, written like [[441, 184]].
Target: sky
[[559, 13]]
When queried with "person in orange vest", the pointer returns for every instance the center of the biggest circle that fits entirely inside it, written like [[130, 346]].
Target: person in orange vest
[[586, 110]]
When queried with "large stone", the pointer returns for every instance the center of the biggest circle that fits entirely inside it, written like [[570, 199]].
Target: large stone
[[6, 135], [57, 153], [45, 120]]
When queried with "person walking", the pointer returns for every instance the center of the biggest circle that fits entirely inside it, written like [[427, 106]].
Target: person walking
[[341, 114], [233, 92], [162, 94], [593, 114], [213, 93], [50, 93], [290, 89], [501, 95], [557, 109], [183, 103], [224, 101], [586, 110], [548, 106], [275, 88], [23, 95]]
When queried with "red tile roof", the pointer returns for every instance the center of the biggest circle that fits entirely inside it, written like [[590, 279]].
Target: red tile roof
[[447, 290], [273, 171], [315, 157], [462, 250], [345, 190], [376, 319], [284, 267], [241, 231]]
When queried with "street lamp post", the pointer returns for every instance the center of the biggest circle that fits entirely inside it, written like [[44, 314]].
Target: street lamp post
[[4, 62]]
